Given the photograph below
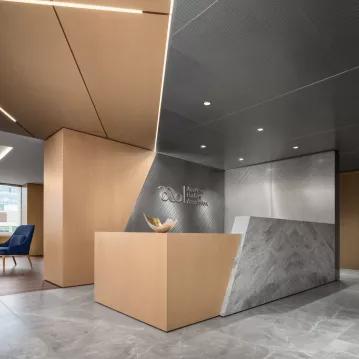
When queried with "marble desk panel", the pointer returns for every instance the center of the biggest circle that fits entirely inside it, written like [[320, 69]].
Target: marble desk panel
[[278, 258]]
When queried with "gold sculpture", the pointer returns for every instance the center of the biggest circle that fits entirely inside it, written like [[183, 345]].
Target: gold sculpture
[[158, 227]]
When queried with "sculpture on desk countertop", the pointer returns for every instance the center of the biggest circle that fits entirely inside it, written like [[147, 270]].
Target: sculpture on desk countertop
[[158, 227]]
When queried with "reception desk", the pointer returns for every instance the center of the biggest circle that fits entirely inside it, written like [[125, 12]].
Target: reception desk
[[176, 279], [167, 280]]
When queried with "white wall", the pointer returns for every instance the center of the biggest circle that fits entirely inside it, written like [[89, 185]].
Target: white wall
[[25, 163]]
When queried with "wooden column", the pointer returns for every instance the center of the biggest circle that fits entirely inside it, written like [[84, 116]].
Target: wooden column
[[32, 212], [91, 184]]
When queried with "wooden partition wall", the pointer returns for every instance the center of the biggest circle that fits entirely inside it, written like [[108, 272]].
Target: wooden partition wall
[[349, 220], [33, 213], [91, 184]]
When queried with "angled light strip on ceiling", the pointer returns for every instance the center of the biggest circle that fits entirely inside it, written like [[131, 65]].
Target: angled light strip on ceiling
[[163, 72], [76, 5], [7, 114], [4, 150]]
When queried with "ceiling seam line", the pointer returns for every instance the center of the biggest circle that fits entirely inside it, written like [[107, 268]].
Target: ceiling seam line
[[285, 159], [97, 136], [289, 92], [155, 12], [194, 60], [324, 132], [79, 70], [275, 98], [202, 12], [24, 129]]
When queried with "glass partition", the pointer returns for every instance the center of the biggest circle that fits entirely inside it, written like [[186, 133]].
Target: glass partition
[[10, 208]]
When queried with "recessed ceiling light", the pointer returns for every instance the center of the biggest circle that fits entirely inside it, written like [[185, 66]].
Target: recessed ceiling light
[[203, 146], [4, 150], [295, 147], [76, 5], [7, 114], [241, 159], [207, 103], [260, 129]]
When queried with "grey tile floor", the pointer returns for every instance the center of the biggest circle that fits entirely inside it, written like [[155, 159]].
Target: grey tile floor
[[65, 323]]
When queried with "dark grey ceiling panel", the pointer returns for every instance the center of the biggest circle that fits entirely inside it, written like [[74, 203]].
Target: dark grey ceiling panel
[[337, 22], [174, 125], [187, 145], [318, 118], [226, 153], [288, 66], [187, 10], [188, 85], [326, 106], [267, 47]]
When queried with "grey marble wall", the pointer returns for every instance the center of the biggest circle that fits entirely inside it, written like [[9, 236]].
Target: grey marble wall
[[278, 258], [302, 188]]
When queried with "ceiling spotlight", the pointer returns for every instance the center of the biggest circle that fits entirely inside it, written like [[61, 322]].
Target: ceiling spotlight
[[241, 159], [207, 103], [260, 129], [7, 114], [295, 147], [4, 150], [76, 6], [203, 146]]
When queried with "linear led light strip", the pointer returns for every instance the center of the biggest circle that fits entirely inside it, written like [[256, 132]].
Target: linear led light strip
[[7, 114], [5, 151], [76, 5], [163, 73]]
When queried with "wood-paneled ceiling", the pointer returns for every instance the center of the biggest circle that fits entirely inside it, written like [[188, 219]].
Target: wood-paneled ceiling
[[97, 72]]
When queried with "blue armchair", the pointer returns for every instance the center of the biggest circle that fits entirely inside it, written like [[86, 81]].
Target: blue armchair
[[18, 244]]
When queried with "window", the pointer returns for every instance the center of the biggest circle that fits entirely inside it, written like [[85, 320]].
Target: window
[[10, 208]]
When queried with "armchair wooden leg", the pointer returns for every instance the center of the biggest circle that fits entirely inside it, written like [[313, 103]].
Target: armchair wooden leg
[[3, 263], [13, 258], [28, 257]]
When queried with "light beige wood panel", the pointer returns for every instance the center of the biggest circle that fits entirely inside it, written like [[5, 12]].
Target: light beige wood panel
[[53, 209], [199, 267], [121, 57], [167, 280], [40, 83], [148, 5], [131, 275], [349, 220], [101, 182], [35, 215]]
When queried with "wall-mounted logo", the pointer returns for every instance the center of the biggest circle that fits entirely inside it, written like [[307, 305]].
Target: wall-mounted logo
[[189, 195]]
